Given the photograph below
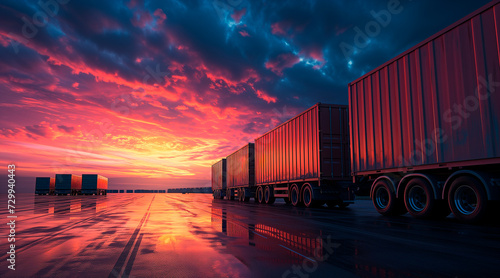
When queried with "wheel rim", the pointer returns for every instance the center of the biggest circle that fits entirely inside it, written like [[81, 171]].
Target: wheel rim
[[259, 194], [295, 196], [417, 198], [266, 194], [465, 199], [307, 196], [381, 198]]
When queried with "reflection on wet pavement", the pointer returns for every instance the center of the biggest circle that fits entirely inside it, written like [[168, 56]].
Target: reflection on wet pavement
[[191, 235]]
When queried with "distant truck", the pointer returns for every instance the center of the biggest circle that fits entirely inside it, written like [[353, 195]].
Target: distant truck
[[305, 161], [45, 186], [93, 184], [68, 184], [219, 179], [425, 126], [240, 177]]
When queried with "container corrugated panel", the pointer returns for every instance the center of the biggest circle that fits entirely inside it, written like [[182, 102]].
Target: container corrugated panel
[[94, 181], [219, 175], [44, 183], [241, 167], [436, 103], [68, 181], [312, 146]]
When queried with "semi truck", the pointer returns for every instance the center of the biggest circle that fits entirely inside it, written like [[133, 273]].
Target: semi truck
[[44, 186], [68, 184], [425, 125], [219, 179], [421, 133], [240, 177], [93, 184]]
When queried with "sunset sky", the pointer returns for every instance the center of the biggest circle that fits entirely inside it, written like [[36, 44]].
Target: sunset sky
[[151, 93]]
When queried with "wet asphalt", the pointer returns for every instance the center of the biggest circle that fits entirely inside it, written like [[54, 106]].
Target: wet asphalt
[[191, 235]]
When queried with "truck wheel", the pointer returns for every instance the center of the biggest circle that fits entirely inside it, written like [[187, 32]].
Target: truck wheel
[[268, 196], [295, 196], [419, 199], [244, 198], [307, 196], [385, 201], [467, 199], [260, 195]]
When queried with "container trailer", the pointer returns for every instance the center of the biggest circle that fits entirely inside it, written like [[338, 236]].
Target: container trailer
[[425, 125], [240, 174], [45, 186], [219, 179], [68, 184], [93, 184], [306, 160]]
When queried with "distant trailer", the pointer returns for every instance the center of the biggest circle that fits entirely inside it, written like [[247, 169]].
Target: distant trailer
[[130, 191], [68, 184], [219, 179], [306, 160], [45, 186], [240, 174], [122, 191], [93, 184]]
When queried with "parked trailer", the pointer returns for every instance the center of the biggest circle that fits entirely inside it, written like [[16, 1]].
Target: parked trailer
[[425, 125], [306, 160], [45, 186], [94, 184], [68, 184], [240, 177], [219, 179]]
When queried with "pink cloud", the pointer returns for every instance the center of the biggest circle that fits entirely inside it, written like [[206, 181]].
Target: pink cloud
[[266, 97], [161, 16], [237, 15], [280, 28], [244, 33], [283, 61]]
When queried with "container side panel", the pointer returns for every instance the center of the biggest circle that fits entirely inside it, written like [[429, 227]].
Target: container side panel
[[219, 175], [434, 104]]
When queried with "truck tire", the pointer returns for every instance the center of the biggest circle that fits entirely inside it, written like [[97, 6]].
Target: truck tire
[[295, 195], [260, 195], [385, 201], [467, 199], [269, 196], [244, 197], [419, 199], [307, 196]]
